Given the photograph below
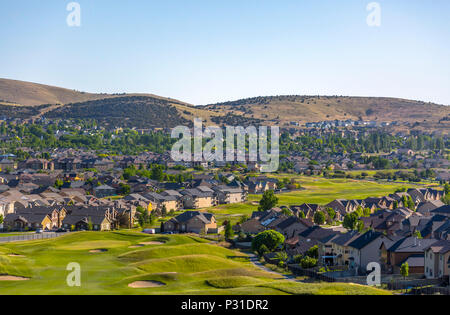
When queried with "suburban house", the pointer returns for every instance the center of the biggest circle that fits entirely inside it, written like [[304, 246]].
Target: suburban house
[[387, 221], [335, 247], [343, 207], [80, 223], [252, 226], [364, 250], [444, 211], [308, 209], [229, 195], [426, 207], [169, 200], [46, 218], [104, 191], [437, 260], [197, 198], [293, 226], [37, 164], [8, 164], [27, 221], [402, 250], [191, 222], [261, 185]]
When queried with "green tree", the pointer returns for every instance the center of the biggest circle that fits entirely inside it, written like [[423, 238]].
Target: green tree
[[446, 198], [271, 239], [282, 258], [319, 218], [1, 218], [164, 211], [268, 201], [308, 262], [124, 189], [404, 270], [313, 252], [229, 233], [263, 250], [90, 225], [447, 188], [351, 221], [331, 214]]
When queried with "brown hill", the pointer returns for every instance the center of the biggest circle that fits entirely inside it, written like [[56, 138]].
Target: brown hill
[[302, 109], [15, 92], [20, 99]]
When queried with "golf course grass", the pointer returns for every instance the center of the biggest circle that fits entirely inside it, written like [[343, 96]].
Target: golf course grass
[[316, 189], [174, 264]]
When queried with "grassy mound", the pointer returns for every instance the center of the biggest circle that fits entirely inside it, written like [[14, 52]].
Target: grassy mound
[[179, 250], [187, 265], [232, 282]]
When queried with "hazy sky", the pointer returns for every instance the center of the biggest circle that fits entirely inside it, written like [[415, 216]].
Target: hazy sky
[[205, 51]]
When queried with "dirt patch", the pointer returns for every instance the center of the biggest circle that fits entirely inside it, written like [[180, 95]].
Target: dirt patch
[[97, 251], [13, 278], [146, 284], [152, 243]]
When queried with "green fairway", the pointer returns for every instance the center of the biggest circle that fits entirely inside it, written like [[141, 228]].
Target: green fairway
[[317, 189], [178, 264], [321, 190]]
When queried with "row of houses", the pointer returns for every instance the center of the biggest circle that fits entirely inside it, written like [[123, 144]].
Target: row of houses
[[100, 218], [355, 251], [193, 198], [425, 200], [393, 237]]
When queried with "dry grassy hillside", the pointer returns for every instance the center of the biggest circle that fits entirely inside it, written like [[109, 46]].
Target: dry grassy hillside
[[286, 109], [280, 110], [32, 94]]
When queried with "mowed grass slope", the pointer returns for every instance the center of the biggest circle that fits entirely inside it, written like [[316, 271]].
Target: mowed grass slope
[[185, 264], [317, 189]]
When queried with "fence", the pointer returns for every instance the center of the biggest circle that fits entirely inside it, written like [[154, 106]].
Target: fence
[[391, 282], [407, 284], [430, 291], [30, 237], [299, 271]]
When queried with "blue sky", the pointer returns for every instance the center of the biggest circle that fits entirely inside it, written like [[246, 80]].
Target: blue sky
[[206, 51]]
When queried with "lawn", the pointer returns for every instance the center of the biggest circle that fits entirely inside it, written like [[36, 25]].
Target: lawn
[[179, 264], [316, 190]]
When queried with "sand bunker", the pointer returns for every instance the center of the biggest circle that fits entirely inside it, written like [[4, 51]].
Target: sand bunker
[[146, 284], [13, 278], [152, 243], [136, 246], [96, 251], [16, 255]]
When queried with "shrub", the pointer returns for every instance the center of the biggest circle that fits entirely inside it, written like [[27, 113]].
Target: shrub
[[308, 262]]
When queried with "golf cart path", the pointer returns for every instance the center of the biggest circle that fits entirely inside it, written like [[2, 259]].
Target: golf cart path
[[255, 261]]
